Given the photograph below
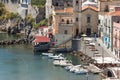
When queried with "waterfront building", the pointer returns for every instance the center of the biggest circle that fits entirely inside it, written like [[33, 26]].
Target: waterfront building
[[89, 20], [63, 24], [43, 31], [107, 28], [85, 17], [116, 38], [52, 5], [25, 8], [64, 21], [104, 4]]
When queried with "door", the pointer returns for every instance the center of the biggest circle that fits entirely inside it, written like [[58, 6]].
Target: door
[[77, 32], [88, 31]]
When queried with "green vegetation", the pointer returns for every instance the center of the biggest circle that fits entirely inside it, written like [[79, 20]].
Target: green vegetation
[[38, 3], [4, 14], [41, 23], [29, 19], [11, 15]]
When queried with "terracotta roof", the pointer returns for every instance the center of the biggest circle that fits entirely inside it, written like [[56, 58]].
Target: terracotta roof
[[66, 10], [41, 39], [91, 7], [116, 13]]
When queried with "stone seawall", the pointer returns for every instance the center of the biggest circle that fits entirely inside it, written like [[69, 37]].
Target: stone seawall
[[15, 41]]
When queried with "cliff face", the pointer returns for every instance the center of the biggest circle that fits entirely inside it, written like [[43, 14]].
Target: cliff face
[[41, 14]]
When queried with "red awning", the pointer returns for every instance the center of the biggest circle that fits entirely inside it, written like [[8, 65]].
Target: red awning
[[41, 39]]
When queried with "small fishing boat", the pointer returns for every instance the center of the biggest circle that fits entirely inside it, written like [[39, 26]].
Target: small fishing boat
[[64, 63], [56, 62], [55, 56], [74, 68], [81, 70], [69, 67], [47, 54]]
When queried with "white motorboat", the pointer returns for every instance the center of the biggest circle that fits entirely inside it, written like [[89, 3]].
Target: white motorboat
[[74, 68], [56, 62], [59, 58], [81, 70], [55, 56], [68, 67], [64, 63], [47, 54]]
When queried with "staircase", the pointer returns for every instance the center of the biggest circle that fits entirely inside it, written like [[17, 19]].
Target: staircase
[[62, 39]]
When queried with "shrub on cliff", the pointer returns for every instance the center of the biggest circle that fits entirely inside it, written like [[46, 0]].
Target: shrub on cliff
[[41, 23], [38, 3]]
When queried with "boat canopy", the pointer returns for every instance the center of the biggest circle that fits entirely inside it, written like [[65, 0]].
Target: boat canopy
[[41, 39]]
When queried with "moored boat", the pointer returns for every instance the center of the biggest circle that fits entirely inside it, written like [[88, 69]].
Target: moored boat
[[74, 68], [47, 54], [55, 56], [81, 70], [69, 67]]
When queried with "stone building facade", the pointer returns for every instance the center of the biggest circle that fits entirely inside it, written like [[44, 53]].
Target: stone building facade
[[104, 4], [89, 21], [85, 17], [63, 21], [52, 5]]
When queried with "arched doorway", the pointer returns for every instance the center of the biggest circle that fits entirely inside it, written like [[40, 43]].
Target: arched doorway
[[109, 74], [68, 22]]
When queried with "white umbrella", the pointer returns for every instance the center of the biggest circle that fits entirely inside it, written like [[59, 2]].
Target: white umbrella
[[83, 35]]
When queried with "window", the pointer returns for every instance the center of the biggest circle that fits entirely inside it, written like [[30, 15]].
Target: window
[[106, 8], [98, 21], [68, 22], [65, 32], [56, 4], [77, 19], [117, 21], [88, 16], [62, 20], [77, 2], [88, 19]]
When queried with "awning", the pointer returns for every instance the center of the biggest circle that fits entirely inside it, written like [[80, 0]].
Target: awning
[[41, 39]]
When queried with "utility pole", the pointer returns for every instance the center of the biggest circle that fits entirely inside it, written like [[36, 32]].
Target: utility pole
[[102, 56], [119, 46]]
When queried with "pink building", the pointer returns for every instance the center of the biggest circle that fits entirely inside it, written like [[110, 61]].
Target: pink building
[[116, 38]]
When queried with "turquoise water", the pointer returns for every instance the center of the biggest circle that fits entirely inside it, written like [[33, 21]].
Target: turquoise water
[[19, 62]]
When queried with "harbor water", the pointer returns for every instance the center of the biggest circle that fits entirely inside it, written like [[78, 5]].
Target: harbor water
[[19, 62]]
